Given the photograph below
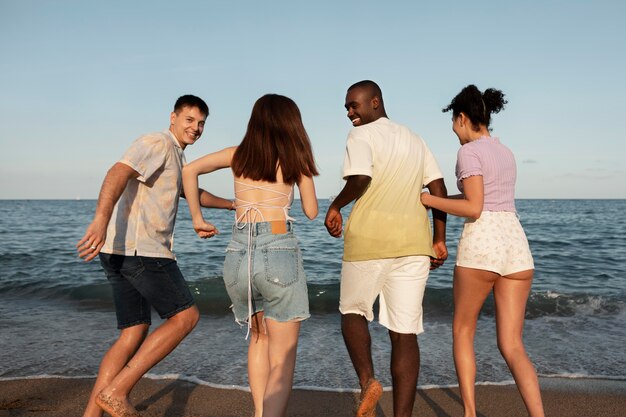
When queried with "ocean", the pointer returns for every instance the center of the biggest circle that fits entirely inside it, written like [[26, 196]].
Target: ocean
[[57, 316]]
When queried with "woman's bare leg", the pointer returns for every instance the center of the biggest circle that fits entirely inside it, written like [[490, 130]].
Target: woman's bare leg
[[510, 295], [471, 288], [283, 343], [258, 362]]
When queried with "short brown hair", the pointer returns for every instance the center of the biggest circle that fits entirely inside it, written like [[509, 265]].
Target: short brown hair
[[189, 100]]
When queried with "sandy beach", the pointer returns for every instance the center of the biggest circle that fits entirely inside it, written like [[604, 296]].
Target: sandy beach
[[60, 397]]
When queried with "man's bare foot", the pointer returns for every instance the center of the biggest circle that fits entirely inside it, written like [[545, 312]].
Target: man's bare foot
[[370, 395]]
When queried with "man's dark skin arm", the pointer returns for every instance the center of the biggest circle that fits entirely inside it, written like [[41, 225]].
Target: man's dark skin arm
[[354, 188], [438, 188]]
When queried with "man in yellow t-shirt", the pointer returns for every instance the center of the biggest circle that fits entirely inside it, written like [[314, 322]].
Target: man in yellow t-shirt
[[388, 246]]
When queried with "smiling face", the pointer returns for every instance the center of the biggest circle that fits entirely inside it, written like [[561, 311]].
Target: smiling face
[[362, 106], [187, 125], [461, 127]]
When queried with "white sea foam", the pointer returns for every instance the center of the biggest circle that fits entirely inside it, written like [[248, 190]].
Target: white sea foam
[[589, 380]]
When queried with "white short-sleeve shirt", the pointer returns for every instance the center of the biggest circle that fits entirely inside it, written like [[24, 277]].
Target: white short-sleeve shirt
[[388, 220], [142, 223]]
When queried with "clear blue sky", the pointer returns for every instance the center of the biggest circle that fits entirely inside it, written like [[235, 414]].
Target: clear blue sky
[[80, 80]]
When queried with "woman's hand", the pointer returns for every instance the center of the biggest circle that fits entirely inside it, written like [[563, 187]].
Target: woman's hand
[[205, 230], [424, 198]]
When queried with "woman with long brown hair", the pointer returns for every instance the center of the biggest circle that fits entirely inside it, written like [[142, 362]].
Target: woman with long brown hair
[[263, 270]]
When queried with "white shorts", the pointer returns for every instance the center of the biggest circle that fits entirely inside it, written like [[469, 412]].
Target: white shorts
[[400, 283], [495, 242]]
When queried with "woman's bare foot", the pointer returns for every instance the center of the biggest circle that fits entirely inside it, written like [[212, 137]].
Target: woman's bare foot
[[116, 407]]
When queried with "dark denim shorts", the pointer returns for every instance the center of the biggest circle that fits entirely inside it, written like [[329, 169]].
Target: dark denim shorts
[[140, 282], [270, 267]]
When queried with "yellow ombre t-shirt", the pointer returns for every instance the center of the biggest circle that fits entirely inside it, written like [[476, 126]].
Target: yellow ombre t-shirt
[[388, 220], [142, 223]]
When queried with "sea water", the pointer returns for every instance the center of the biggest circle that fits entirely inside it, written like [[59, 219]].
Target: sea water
[[57, 316]]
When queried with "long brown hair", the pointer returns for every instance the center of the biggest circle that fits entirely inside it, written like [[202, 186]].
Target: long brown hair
[[275, 138]]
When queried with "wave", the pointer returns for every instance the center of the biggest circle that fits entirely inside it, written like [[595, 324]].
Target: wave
[[212, 299]]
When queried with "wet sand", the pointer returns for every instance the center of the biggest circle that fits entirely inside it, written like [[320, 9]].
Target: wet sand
[[61, 397]]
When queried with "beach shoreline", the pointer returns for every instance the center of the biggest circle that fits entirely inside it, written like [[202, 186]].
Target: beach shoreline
[[61, 397]]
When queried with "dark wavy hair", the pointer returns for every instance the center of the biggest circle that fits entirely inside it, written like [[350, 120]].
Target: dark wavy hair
[[477, 106], [275, 138], [191, 101]]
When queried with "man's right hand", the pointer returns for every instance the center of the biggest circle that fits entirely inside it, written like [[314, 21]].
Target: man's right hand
[[334, 222], [112, 188], [93, 240], [353, 189]]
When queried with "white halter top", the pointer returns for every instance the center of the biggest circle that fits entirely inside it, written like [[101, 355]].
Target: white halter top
[[252, 209], [251, 213]]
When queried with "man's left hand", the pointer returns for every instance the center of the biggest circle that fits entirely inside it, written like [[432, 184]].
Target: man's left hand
[[441, 252]]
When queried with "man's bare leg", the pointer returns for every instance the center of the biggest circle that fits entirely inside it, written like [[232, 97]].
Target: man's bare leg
[[405, 366], [156, 346], [356, 336], [113, 361]]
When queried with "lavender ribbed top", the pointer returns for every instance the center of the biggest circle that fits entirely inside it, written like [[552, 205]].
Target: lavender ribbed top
[[495, 162]]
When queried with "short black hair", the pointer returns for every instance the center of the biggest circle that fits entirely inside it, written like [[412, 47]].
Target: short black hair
[[370, 85], [189, 100]]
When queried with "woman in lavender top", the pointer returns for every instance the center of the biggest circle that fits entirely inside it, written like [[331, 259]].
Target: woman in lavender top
[[493, 253]]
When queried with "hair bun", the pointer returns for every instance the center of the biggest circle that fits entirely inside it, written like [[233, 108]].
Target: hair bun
[[494, 100]]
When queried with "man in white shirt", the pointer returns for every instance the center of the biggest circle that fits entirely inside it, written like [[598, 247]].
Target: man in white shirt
[[388, 246], [132, 232]]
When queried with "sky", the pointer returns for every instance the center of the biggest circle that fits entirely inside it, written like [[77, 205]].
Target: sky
[[81, 79]]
